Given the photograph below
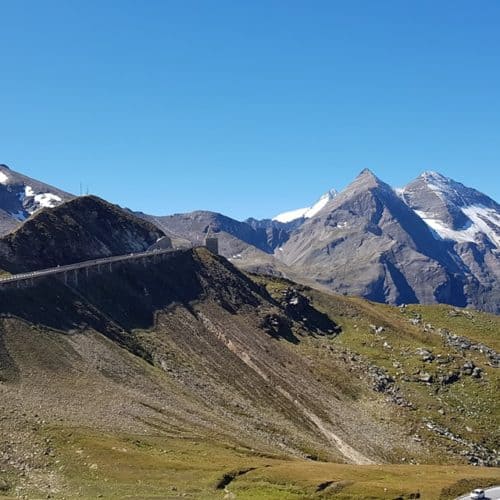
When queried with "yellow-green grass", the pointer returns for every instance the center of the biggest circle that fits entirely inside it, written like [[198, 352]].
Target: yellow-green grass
[[475, 325], [93, 465], [370, 481]]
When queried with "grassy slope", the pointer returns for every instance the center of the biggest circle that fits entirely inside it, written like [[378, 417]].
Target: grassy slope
[[467, 404]]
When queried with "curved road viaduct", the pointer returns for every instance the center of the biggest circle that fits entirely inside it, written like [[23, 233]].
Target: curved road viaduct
[[72, 273]]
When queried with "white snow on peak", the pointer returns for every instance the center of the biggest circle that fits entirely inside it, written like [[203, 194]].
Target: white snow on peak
[[477, 214], [438, 183], [470, 233], [433, 175], [3, 178], [28, 191], [307, 212]]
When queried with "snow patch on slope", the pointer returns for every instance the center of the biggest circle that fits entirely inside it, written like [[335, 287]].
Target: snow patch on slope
[[291, 215], [307, 212], [30, 202], [3, 178], [47, 200], [42, 200], [477, 215]]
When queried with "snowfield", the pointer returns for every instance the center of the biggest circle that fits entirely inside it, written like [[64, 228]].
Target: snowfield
[[476, 215], [307, 212]]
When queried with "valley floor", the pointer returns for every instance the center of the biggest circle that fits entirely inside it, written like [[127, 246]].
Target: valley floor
[[81, 463]]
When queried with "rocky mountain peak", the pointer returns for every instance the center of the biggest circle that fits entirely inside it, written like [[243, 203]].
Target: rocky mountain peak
[[448, 190], [435, 240], [433, 176], [454, 211], [366, 172], [367, 179], [365, 182]]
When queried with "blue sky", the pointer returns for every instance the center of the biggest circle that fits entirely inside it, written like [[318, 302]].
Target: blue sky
[[248, 107]]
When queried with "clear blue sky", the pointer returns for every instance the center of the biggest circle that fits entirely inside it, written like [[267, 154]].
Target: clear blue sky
[[248, 107]]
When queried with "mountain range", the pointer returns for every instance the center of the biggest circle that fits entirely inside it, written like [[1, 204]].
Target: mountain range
[[432, 241], [183, 376]]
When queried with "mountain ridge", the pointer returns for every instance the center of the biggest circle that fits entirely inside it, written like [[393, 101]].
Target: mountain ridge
[[434, 240], [390, 242]]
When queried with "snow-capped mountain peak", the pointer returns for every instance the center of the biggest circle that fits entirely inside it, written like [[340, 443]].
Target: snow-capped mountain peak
[[307, 212], [433, 176], [444, 187]]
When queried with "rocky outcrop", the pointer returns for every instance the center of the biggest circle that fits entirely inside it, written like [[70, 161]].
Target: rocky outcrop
[[298, 307]]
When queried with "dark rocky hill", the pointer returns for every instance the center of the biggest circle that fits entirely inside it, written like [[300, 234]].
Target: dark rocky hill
[[81, 229]]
